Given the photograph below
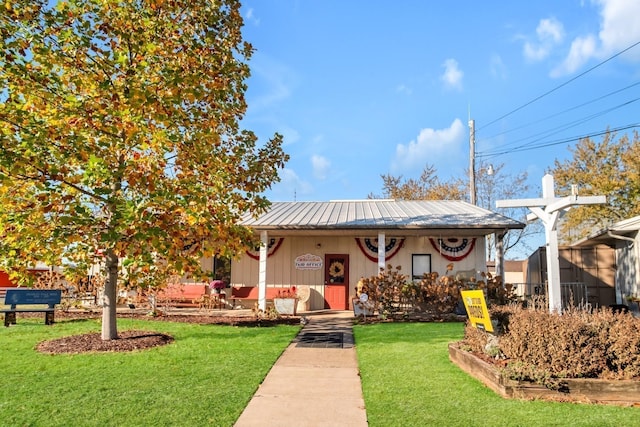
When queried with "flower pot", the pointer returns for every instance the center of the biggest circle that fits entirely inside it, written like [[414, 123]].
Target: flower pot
[[286, 305]]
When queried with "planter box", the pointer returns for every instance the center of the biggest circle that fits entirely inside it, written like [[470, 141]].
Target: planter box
[[286, 305], [616, 392]]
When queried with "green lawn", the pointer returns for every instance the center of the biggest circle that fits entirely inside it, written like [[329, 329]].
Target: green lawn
[[408, 380], [206, 377]]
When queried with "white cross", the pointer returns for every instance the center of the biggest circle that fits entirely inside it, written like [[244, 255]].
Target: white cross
[[548, 209]]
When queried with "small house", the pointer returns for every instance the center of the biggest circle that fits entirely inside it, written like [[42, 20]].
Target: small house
[[329, 246]]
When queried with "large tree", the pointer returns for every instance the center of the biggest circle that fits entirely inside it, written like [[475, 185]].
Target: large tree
[[610, 168], [120, 136]]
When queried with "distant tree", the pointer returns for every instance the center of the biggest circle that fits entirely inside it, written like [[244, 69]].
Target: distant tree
[[502, 186], [427, 187], [610, 168], [490, 188], [120, 137]]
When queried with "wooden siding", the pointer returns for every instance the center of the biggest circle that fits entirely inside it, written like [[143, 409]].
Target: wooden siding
[[593, 266], [282, 272]]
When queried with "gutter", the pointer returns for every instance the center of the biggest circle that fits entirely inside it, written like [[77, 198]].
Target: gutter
[[617, 236]]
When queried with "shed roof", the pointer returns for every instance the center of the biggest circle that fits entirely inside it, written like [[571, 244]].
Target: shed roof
[[423, 217], [627, 227]]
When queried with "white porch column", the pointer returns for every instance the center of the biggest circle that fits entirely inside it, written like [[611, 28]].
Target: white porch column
[[382, 260], [262, 274]]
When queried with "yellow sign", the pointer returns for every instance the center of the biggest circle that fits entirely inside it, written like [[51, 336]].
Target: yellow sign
[[477, 309]]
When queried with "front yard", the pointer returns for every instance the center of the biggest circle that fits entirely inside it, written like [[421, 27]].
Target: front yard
[[408, 380]]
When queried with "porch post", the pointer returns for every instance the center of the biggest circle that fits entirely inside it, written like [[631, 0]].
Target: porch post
[[262, 274], [382, 261], [499, 237]]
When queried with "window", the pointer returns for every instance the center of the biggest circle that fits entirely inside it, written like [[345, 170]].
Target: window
[[222, 269], [420, 264]]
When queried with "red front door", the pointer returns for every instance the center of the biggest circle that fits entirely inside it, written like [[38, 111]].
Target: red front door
[[336, 281]]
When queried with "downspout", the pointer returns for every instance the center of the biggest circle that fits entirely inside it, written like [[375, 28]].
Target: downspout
[[617, 236]]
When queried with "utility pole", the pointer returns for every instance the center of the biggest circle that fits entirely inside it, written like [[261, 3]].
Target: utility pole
[[472, 161]]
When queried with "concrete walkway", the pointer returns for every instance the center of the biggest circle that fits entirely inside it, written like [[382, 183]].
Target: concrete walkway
[[315, 382]]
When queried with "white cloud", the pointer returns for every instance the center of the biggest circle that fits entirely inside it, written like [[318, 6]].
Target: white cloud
[[290, 187], [320, 166], [619, 27], [618, 30], [272, 79], [289, 134], [550, 33], [402, 88], [582, 49], [431, 146], [452, 76], [550, 29], [498, 69], [251, 17]]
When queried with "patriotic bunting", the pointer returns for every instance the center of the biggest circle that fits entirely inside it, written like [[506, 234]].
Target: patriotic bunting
[[369, 247], [453, 248], [273, 245]]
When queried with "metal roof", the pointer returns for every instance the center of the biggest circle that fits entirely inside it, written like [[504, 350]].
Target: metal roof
[[425, 217], [625, 227]]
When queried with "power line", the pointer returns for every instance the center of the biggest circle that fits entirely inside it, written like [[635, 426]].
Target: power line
[[558, 142], [561, 85], [554, 115], [564, 127]]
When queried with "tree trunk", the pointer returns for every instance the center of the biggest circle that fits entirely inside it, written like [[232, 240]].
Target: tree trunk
[[109, 324]]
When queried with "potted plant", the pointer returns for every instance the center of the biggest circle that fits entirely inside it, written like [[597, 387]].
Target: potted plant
[[286, 301], [217, 286]]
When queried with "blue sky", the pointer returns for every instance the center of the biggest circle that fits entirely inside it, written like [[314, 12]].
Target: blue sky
[[363, 88]]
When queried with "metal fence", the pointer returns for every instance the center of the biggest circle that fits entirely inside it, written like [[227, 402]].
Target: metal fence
[[571, 293]]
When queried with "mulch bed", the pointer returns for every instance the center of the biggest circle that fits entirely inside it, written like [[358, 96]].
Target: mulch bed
[[139, 340]]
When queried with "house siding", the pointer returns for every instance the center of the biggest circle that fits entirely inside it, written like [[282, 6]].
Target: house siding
[[628, 267], [282, 272]]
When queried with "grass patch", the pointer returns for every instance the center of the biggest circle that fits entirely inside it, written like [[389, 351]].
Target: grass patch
[[408, 380], [206, 377]]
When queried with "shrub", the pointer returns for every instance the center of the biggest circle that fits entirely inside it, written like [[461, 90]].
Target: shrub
[[547, 347], [393, 293]]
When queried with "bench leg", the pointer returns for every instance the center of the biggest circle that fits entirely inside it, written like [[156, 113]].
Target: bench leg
[[49, 318], [9, 319]]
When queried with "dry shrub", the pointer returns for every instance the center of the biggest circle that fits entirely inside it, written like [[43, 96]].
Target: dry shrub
[[622, 342], [392, 292], [577, 344], [386, 290], [475, 339], [438, 294]]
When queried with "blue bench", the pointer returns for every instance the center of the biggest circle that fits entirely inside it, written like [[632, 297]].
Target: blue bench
[[27, 298]]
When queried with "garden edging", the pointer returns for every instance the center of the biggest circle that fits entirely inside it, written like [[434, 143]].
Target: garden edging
[[616, 392]]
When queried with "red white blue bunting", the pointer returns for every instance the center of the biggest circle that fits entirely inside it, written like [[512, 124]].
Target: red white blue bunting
[[369, 247], [273, 245], [454, 248]]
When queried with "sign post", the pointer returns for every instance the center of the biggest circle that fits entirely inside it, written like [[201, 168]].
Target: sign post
[[477, 310], [548, 209]]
